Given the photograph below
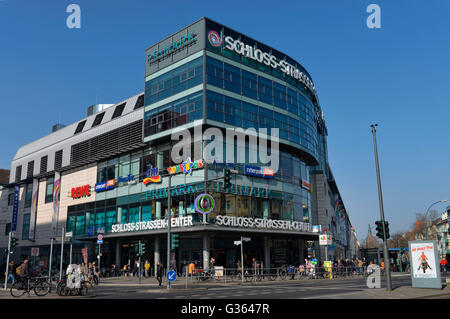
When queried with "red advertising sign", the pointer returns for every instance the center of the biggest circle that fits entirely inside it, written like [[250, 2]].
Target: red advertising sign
[[84, 252], [82, 191]]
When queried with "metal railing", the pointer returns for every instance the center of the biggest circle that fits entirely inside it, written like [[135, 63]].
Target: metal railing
[[229, 275]]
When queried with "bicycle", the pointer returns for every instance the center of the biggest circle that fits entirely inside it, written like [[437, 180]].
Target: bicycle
[[40, 286]]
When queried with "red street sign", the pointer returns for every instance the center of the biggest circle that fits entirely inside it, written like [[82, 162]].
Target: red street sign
[[100, 237]]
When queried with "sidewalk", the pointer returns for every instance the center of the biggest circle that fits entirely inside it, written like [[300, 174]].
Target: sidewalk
[[408, 292]]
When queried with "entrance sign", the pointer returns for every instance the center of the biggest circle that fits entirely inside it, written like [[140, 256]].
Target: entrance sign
[[249, 222], [171, 276], [424, 261], [152, 224]]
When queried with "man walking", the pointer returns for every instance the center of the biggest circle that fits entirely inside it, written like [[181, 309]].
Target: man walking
[[159, 273]]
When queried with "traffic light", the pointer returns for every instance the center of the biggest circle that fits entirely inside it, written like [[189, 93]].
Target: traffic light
[[227, 180], [175, 241], [140, 251], [379, 228], [386, 226], [14, 242], [96, 249]]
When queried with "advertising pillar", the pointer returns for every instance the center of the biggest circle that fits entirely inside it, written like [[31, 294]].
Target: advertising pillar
[[205, 252]]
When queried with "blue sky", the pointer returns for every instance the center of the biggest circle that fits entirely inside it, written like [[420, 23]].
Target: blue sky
[[396, 76]]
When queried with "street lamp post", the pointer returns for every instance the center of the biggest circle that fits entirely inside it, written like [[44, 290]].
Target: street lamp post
[[426, 215], [387, 262]]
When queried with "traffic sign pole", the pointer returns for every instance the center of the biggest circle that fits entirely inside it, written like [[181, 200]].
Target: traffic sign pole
[[242, 260], [7, 260], [62, 250]]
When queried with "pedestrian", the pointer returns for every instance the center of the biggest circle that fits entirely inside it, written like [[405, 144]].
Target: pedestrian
[[12, 271], [24, 272], [443, 264], [191, 268], [147, 268], [159, 272], [125, 272]]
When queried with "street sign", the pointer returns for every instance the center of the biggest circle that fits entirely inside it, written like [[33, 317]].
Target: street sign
[[171, 275], [246, 239], [323, 240], [69, 234], [237, 242], [35, 251], [101, 230], [100, 239], [329, 240], [90, 231]]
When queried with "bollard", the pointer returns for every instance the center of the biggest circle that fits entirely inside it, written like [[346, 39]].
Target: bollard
[[186, 273]]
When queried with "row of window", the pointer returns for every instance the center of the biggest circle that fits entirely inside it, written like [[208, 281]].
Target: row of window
[[177, 80], [224, 109], [259, 88], [43, 166], [174, 114]]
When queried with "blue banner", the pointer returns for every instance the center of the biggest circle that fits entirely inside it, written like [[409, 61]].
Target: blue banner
[[15, 208], [257, 171]]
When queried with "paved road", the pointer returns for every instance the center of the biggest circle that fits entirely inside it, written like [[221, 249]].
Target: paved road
[[128, 288]]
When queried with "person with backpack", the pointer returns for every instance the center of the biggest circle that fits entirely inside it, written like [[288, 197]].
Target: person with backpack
[[22, 270]]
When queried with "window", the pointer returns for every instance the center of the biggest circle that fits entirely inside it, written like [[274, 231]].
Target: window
[[118, 111], [49, 189], [18, 173], [7, 229], [28, 194], [44, 160], [26, 226], [98, 119], [139, 102], [30, 169], [58, 159], [80, 127]]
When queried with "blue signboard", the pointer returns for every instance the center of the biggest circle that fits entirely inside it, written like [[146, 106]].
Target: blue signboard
[[257, 171], [171, 275], [15, 208], [90, 231]]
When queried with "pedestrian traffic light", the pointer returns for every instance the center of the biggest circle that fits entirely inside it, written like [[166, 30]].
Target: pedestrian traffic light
[[175, 242], [14, 242], [379, 229], [96, 249], [386, 226], [227, 180]]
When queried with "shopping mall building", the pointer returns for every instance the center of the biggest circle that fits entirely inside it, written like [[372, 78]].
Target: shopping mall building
[[109, 173]]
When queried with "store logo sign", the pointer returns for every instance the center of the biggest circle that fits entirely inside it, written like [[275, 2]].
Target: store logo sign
[[151, 176], [214, 38], [204, 203], [268, 59], [105, 185], [306, 185], [185, 167], [82, 191], [128, 179], [171, 47], [258, 171]]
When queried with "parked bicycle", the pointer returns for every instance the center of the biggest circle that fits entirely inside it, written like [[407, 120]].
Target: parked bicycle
[[40, 286]]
